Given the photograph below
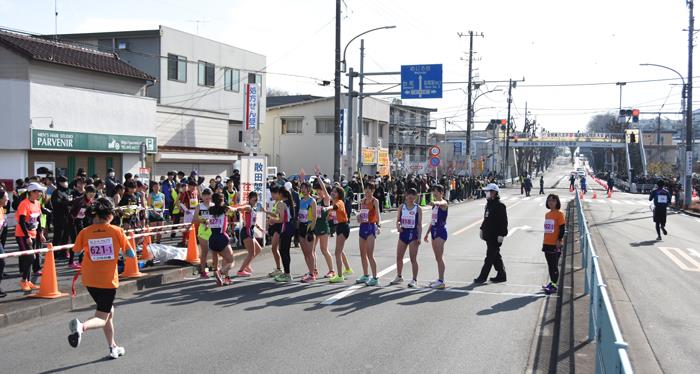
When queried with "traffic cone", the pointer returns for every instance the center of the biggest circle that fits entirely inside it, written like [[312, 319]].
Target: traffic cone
[[192, 251], [595, 195], [131, 264], [48, 287], [145, 254], [387, 203]]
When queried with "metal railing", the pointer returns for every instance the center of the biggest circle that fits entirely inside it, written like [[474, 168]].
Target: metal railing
[[611, 349]]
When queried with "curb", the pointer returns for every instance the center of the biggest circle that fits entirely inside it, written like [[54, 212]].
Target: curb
[[688, 212], [38, 308]]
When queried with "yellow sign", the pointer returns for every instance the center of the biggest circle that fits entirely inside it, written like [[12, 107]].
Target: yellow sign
[[369, 156], [632, 136], [384, 166], [398, 154]]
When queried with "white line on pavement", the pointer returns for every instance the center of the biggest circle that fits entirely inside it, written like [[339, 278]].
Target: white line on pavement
[[615, 202], [356, 287], [467, 227]]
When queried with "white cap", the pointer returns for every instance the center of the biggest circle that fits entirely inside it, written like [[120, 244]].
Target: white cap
[[492, 187], [288, 186], [34, 186]]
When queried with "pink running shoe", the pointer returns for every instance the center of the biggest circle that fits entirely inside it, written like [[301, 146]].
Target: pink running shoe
[[248, 269], [330, 274], [243, 274], [306, 278], [75, 266], [219, 278], [203, 275]]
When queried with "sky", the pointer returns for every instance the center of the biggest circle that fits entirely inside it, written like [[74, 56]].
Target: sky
[[554, 45]]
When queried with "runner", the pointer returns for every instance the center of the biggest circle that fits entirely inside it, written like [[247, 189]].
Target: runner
[[28, 232], [554, 227], [249, 216], [322, 228], [202, 217], [333, 224], [275, 229], [661, 198], [129, 204], [307, 219], [284, 217], [231, 197], [218, 240], [103, 243], [189, 200], [409, 224], [438, 233], [342, 229], [3, 229], [156, 208], [81, 219], [369, 217]]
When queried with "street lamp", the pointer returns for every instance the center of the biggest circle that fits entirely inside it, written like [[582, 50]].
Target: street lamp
[[343, 62], [687, 118], [470, 120]]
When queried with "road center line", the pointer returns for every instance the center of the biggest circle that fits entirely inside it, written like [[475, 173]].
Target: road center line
[[356, 287]]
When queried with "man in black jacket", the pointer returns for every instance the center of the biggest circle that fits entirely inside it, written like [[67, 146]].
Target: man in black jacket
[[61, 202], [493, 230]]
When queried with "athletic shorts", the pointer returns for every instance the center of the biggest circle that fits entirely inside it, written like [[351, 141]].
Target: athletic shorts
[[321, 228], [548, 248], [367, 230], [438, 232], [343, 229], [218, 240], [104, 298], [303, 232], [660, 215], [247, 233], [155, 217], [276, 228], [408, 236]]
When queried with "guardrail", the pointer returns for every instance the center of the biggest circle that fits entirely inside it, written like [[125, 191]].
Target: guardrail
[[611, 349]]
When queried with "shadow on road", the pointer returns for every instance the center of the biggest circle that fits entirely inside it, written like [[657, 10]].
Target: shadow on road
[[509, 305], [66, 368], [644, 243]]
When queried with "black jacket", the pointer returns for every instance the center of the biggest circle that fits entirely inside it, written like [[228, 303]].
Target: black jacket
[[495, 220], [60, 202]]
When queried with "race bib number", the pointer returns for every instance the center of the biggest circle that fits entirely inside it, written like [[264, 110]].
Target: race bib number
[[216, 222], [193, 202], [189, 215], [81, 213], [34, 221], [333, 216], [549, 226], [408, 221], [364, 215], [158, 205], [662, 199], [434, 217], [319, 211], [101, 249], [303, 216]]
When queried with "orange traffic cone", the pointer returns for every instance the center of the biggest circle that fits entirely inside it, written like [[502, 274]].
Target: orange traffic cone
[[145, 254], [48, 287], [131, 264], [595, 195], [192, 250]]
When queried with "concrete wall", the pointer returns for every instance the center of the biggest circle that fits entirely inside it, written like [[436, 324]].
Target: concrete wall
[[193, 128], [14, 106], [13, 164]]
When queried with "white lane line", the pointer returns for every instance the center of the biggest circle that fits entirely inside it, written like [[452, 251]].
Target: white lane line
[[628, 202], [356, 287], [458, 232], [527, 198], [615, 202]]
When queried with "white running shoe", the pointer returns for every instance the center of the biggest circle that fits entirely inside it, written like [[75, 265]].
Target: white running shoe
[[116, 352], [76, 332], [437, 285], [412, 284], [397, 280]]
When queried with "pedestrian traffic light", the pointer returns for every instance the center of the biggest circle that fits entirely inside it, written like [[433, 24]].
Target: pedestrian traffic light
[[635, 115], [633, 138]]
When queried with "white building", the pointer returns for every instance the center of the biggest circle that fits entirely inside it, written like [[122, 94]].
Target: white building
[[200, 91], [66, 107], [300, 134]]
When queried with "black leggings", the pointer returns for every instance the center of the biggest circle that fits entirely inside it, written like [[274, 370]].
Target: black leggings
[[553, 265], [285, 245], [2, 260], [26, 261]]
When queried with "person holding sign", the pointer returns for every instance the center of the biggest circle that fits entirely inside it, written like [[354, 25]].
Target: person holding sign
[[103, 242], [368, 217], [554, 227], [409, 223], [661, 198]]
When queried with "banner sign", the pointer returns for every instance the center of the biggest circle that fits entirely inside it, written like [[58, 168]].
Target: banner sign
[[369, 156], [343, 128], [52, 140], [253, 169], [251, 106], [384, 164]]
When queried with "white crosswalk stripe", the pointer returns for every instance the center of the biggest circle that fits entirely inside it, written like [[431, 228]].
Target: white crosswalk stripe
[[615, 202]]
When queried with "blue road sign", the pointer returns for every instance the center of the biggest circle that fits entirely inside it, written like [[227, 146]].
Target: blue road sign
[[421, 81], [435, 162], [458, 148]]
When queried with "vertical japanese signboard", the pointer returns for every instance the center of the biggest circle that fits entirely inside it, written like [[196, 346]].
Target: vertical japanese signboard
[[251, 106], [253, 169]]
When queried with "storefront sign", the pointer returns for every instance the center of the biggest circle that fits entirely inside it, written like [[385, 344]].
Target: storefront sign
[[369, 156], [52, 140], [253, 169], [384, 163]]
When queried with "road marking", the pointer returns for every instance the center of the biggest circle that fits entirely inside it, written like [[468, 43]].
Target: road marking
[[467, 227], [515, 229], [628, 202], [527, 198], [615, 202], [356, 287], [677, 256]]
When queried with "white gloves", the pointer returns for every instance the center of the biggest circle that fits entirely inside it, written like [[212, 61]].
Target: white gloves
[[500, 240]]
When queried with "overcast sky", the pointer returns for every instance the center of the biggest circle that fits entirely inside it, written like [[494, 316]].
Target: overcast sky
[[547, 42]]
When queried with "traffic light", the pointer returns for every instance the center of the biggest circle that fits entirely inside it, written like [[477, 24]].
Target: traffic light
[[494, 123], [635, 115]]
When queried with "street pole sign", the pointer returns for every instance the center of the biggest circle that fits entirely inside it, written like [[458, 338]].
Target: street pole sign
[[434, 151], [421, 81], [253, 169], [435, 162], [343, 131], [251, 106]]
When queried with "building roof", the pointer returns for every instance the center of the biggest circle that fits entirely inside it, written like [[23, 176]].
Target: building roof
[[276, 101], [69, 54], [410, 107]]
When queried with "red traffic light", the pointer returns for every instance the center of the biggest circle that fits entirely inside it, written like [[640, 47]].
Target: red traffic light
[[635, 112], [503, 122]]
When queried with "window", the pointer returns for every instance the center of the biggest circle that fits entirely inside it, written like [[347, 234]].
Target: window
[[177, 68], [251, 78], [206, 74], [240, 136], [232, 78], [381, 130], [365, 127], [291, 125], [258, 79], [325, 126]]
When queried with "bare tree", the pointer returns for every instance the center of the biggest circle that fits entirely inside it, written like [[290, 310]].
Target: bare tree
[[277, 92]]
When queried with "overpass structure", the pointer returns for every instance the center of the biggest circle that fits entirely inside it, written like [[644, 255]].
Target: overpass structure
[[582, 140]]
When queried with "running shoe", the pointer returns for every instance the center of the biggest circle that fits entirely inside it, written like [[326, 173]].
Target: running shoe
[[283, 278], [75, 266], [438, 285], [249, 269], [227, 281], [663, 229], [330, 274], [547, 286], [373, 282], [116, 352], [38, 273], [307, 278], [219, 278], [347, 272], [397, 280], [337, 279], [32, 285], [362, 279], [203, 275], [24, 286], [76, 333], [479, 280], [412, 284], [551, 289], [243, 274], [658, 238], [275, 273]]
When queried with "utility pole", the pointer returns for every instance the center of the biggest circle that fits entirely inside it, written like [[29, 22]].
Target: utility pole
[[689, 109], [336, 133], [360, 114], [658, 138], [506, 169], [470, 105]]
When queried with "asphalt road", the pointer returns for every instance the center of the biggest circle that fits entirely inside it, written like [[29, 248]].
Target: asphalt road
[[658, 292], [256, 325]]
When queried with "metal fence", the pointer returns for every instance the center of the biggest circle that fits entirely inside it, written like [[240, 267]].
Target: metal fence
[[611, 349]]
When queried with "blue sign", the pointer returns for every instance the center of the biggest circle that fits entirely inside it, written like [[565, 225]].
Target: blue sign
[[435, 162], [458, 148], [421, 81], [342, 130]]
